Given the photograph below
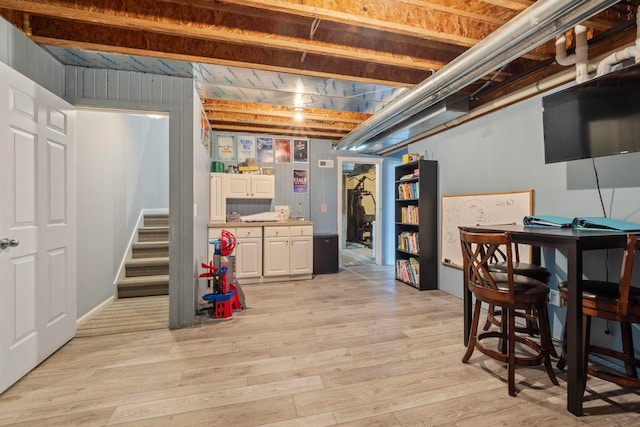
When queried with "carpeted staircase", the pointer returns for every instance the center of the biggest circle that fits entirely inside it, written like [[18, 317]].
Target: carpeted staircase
[[147, 272]]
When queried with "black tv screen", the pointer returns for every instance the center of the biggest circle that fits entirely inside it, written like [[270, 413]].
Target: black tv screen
[[600, 117]]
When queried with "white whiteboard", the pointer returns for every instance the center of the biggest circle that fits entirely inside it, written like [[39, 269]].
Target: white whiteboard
[[480, 209]]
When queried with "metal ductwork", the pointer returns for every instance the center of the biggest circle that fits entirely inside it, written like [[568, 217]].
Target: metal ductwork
[[433, 116], [539, 23]]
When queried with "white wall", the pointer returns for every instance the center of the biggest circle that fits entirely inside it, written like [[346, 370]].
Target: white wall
[[504, 151], [134, 91], [122, 168]]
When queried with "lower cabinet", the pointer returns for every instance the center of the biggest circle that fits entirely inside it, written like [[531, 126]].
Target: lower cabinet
[[276, 251], [268, 254], [248, 254], [288, 251], [248, 251], [301, 250]]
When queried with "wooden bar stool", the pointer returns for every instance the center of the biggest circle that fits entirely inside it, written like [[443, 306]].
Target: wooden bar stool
[[498, 263], [510, 292], [619, 302]]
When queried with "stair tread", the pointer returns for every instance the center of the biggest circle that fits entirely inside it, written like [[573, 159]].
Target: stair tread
[[143, 280], [152, 244], [148, 261], [154, 228]]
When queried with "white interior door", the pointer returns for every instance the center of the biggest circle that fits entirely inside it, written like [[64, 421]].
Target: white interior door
[[37, 225]]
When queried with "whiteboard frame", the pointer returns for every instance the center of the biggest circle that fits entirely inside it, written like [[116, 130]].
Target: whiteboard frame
[[523, 195]]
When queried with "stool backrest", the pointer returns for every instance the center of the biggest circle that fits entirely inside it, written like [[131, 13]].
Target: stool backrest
[[478, 249], [633, 244]]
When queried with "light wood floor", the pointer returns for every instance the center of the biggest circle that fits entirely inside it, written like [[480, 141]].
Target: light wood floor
[[353, 348]]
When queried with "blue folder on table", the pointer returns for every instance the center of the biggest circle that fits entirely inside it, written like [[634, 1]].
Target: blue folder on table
[[601, 223], [547, 221]]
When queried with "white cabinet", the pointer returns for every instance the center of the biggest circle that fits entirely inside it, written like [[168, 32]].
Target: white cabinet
[[301, 250], [223, 186], [248, 254], [270, 253], [244, 186], [263, 186], [288, 251], [217, 198], [276, 251]]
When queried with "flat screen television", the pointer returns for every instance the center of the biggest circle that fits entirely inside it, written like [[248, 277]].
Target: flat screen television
[[600, 117]]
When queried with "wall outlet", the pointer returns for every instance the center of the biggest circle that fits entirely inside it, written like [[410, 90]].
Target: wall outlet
[[554, 297]]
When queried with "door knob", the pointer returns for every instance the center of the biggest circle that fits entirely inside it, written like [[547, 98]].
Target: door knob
[[5, 243]]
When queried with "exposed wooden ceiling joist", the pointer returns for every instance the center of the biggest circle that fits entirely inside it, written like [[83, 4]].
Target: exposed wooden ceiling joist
[[315, 123], [398, 43]]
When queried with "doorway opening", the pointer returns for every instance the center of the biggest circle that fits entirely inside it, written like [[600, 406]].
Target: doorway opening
[[358, 216]]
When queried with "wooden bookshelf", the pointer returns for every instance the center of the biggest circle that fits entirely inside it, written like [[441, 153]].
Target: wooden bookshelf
[[416, 224]]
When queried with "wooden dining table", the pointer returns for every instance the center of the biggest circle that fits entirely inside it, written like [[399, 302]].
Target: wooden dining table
[[572, 242]]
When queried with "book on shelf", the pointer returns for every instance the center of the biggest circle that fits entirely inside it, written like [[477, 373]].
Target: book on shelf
[[408, 190], [410, 214], [415, 267], [408, 242], [408, 271]]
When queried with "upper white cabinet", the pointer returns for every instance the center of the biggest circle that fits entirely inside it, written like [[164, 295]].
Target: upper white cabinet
[[223, 186], [243, 186]]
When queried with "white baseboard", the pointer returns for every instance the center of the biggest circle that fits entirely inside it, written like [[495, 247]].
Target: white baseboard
[[96, 309]]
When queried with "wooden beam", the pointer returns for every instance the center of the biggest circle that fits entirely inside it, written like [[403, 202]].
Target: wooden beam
[[228, 106], [271, 120], [132, 42], [213, 25], [301, 132]]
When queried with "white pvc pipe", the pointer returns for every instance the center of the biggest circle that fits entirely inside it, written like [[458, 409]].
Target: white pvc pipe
[[581, 56], [604, 67]]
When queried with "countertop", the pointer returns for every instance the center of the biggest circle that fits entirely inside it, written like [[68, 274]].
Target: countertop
[[237, 224]]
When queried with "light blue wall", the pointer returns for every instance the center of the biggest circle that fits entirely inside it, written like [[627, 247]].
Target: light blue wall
[[323, 188], [504, 151], [28, 58], [323, 184]]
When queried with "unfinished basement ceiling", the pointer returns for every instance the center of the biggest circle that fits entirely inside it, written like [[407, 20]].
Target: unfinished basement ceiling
[[256, 62]]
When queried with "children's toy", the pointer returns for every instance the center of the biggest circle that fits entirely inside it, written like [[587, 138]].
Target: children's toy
[[224, 297]]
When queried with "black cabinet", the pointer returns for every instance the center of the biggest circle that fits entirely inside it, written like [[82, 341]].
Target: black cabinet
[[416, 224]]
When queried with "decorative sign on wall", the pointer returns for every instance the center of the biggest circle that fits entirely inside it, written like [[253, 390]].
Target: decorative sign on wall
[[264, 149], [300, 181], [205, 135], [300, 150], [225, 150], [283, 150], [246, 148]]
